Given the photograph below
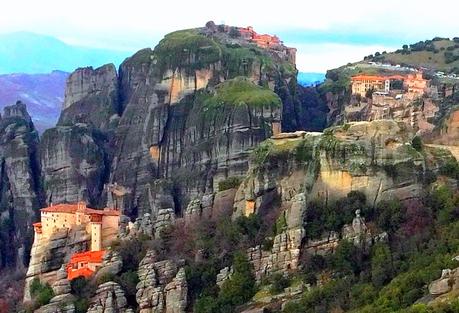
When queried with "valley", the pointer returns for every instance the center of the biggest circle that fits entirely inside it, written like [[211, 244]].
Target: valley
[[201, 176]]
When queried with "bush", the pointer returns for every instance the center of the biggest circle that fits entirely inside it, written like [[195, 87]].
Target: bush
[[229, 183], [240, 287], [381, 265], [389, 215], [236, 290], [279, 283], [417, 143], [450, 169], [79, 286], [41, 293], [81, 305]]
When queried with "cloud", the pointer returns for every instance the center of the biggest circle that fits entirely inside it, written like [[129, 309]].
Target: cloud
[[323, 56]]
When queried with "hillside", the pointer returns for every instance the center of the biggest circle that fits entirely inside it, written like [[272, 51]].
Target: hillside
[[30, 53], [439, 54], [43, 94]]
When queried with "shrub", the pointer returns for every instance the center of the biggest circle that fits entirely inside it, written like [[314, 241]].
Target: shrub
[[229, 183], [81, 305], [240, 287], [279, 283], [41, 293], [281, 224], [389, 215], [450, 169], [381, 265], [417, 143]]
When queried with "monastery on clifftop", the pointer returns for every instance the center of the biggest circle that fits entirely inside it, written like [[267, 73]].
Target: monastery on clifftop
[[101, 225]]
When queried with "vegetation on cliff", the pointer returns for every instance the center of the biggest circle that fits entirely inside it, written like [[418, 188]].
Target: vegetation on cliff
[[392, 276], [240, 91]]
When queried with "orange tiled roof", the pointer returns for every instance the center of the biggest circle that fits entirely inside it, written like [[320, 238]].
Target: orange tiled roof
[[377, 77], [88, 256], [72, 208], [94, 257]]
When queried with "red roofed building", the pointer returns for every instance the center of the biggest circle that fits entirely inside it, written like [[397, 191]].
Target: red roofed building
[[102, 225], [264, 41], [84, 264]]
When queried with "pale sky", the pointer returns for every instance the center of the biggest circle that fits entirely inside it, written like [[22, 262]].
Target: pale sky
[[327, 33]]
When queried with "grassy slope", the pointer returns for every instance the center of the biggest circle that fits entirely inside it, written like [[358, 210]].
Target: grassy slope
[[428, 59]]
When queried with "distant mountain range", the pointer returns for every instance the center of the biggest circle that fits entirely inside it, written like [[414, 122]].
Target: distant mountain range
[[42, 93], [30, 53], [309, 79]]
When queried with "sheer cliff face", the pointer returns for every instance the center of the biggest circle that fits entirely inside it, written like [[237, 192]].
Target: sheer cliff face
[[73, 163], [19, 184], [91, 97]]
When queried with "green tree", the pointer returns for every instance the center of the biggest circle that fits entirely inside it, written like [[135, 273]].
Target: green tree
[[347, 258], [381, 264], [389, 215], [240, 287]]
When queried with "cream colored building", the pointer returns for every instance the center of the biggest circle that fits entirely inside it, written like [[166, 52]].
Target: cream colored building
[[102, 225]]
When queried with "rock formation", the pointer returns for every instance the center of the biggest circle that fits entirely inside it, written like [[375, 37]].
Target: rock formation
[[74, 164], [49, 254], [162, 286], [164, 218], [62, 302], [109, 298], [111, 264], [91, 97], [20, 188]]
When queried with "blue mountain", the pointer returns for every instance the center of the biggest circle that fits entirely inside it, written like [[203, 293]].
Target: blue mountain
[[24, 52]]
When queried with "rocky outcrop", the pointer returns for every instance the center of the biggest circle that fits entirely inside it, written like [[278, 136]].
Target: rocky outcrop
[[20, 188], [49, 254], [375, 158], [164, 218], [224, 274], [109, 298], [448, 281], [62, 302], [162, 286], [111, 264], [285, 252], [91, 97], [74, 164]]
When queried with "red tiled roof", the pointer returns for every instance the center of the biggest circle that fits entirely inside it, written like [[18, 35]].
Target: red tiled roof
[[61, 208], [88, 256], [377, 77], [72, 208], [94, 257]]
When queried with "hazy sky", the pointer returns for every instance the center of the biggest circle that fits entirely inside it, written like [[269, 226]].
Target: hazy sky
[[327, 33]]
